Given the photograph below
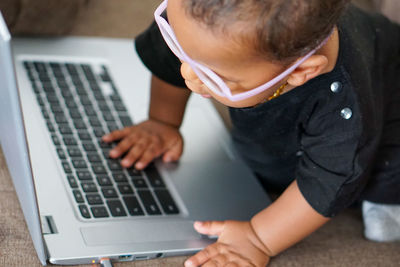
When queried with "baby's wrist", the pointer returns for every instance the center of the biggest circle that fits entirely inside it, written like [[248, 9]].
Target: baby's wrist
[[258, 242]]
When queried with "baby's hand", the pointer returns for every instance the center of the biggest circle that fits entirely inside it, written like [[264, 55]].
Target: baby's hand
[[144, 142], [237, 245]]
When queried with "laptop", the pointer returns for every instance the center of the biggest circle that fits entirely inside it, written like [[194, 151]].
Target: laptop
[[58, 97]]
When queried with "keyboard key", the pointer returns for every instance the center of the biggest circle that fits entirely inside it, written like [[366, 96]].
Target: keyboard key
[[109, 192], [70, 141], [87, 70], [61, 153], [112, 126], [78, 196], [67, 167], [99, 212], [74, 152], [104, 180], [79, 124], [40, 66], [75, 114], [108, 117], [89, 110], [60, 118], [139, 183], [115, 97], [134, 173], [116, 208], [89, 187], [70, 103], [71, 69], [119, 106], [125, 189], [98, 132], [50, 126], [99, 96], [84, 175], [52, 98], [72, 182], [120, 177], [84, 211], [103, 106], [40, 100], [94, 122], [84, 136], [89, 146], [166, 201], [148, 202], [133, 206], [115, 166], [65, 129], [99, 169], [93, 157], [153, 176], [79, 163], [57, 109], [94, 199], [56, 140], [85, 100], [63, 84], [126, 120], [81, 90]]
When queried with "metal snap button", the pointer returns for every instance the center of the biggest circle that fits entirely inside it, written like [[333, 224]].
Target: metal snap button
[[336, 87], [346, 113]]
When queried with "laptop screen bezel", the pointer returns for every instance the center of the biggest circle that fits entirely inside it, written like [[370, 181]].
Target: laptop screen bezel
[[14, 145]]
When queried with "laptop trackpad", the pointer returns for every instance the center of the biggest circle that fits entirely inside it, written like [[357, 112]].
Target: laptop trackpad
[[139, 232]]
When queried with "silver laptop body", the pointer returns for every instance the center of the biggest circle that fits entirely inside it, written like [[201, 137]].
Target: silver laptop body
[[210, 182]]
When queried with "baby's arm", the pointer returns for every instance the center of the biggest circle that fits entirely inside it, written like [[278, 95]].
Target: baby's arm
[[159, 135], [167, 102], [286, 221]]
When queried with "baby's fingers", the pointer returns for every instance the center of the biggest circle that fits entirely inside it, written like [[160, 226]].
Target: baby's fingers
[[116, 135], [152, 151], [205, 255], [123, 146], [136, 152]]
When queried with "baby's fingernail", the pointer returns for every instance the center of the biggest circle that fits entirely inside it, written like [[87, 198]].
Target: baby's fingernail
[[188, 263], [198, 224], [168, 159], [139, 165], [125, 162], [113, 153]]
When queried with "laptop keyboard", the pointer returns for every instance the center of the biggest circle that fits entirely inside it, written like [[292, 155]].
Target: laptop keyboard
[[78, 112]]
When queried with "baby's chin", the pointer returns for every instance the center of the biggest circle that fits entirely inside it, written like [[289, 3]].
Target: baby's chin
[[247, 103]]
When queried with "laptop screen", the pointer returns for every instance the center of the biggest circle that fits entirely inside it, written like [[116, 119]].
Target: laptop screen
[[13, 142]]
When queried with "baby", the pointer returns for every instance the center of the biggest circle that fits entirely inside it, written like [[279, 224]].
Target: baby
[[313, 89]]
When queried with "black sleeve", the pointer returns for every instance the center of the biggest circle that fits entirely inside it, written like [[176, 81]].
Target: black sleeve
[[332, 171], [157, 57]]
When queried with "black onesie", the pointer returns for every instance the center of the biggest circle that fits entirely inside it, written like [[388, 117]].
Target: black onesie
[[338, 135]]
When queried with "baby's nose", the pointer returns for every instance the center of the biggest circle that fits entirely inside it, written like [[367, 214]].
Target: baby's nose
[[188, 73]]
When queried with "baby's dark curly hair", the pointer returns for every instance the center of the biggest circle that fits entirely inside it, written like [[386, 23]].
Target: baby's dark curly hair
[[278, 30]]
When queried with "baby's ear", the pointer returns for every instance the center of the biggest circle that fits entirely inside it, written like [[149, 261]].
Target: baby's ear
[[308, 70]]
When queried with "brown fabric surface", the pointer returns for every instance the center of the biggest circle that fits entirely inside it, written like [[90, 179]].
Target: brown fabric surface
[[41, 17]]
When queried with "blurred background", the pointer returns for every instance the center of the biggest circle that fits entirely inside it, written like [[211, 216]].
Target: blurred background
[[108, 18]]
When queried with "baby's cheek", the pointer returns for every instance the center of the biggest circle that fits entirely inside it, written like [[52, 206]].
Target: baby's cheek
[[188, 74], [195, 87]]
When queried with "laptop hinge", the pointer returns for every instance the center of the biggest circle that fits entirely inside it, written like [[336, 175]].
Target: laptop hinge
[[48, 225]]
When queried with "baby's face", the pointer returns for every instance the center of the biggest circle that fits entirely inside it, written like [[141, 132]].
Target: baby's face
[[233, 62]]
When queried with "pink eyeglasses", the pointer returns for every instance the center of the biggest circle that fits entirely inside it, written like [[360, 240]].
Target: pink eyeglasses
[[207, 76]]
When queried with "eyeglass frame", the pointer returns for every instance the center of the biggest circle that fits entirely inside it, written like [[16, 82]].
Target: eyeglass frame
[[213, 80]]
